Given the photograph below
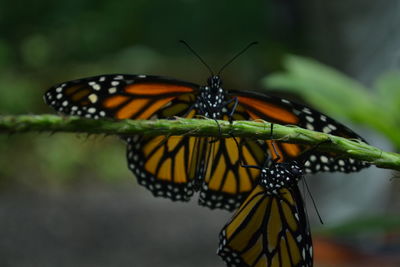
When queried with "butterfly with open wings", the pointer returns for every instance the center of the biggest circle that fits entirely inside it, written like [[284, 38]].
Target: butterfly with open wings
[[177, 166]]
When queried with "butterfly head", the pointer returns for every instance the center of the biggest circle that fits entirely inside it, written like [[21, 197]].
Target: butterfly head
[[281, 175]]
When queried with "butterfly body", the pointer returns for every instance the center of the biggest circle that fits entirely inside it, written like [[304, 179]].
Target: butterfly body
[[282, 175], [270, 228]]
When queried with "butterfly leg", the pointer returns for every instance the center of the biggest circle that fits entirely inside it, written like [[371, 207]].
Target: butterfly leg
[[219, 131], [235, 101]]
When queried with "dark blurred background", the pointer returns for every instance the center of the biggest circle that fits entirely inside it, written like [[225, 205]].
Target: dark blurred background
[[70, 200]]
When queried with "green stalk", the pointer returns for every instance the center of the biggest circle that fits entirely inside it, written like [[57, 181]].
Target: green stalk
[[201, 127]]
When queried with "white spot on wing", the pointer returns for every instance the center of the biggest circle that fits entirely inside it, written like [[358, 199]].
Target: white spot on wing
[[326, 129], [307, 110], [93, 98], [309, 118], [324, 159], [309, 126], [96, 87], [333, 127]]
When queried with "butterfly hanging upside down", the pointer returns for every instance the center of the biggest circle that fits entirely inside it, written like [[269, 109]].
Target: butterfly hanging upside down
[[270, 228], [175, 167]]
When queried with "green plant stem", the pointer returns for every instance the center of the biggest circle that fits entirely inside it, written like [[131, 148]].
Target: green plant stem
[[201, 127]]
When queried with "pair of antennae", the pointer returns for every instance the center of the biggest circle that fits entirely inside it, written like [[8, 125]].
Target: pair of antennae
[[223, 66]]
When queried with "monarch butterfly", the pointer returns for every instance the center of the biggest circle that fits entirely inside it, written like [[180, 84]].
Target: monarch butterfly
[[175, 167], [270, 228]]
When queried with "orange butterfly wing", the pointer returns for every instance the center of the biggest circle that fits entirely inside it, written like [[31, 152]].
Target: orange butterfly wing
[[282, 111], [268, 231], [116, 96]]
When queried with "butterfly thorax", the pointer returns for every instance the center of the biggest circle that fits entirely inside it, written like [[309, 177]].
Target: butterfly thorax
[[281, 175], [211, 100]]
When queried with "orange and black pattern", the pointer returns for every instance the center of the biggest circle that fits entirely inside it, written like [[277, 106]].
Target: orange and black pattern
[[271, 227], [176, 167], [184, 164]]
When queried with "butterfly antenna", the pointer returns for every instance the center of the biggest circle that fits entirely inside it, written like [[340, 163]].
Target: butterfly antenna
[[312, 199], [198, 56], [236, 56]]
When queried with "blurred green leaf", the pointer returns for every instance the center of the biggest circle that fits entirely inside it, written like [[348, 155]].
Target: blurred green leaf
[[322, 86], [388, 90], [341, 96]]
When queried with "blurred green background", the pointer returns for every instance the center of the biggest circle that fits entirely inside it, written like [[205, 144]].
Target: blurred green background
[[70, 200]]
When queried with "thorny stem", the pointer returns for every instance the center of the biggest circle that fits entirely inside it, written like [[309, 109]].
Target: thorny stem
[[201, 127]]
